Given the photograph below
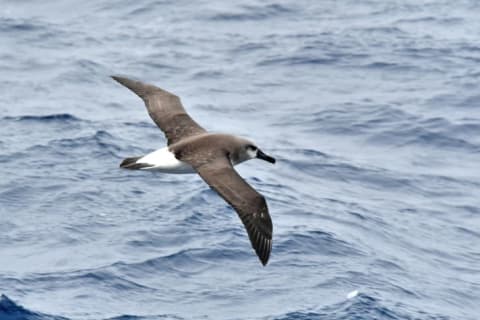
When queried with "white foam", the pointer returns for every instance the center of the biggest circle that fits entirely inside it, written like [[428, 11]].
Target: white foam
[[352, 294]]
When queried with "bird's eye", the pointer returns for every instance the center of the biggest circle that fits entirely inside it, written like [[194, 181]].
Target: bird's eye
[[252, 147]]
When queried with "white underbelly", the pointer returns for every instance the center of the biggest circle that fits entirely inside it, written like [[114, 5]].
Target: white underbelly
[[163, 160]]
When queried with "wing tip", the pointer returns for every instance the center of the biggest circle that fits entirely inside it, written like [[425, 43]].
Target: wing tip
[[264, 261], [263, 251], [260, 237], [127, 82], [140, 88], [119, 79]]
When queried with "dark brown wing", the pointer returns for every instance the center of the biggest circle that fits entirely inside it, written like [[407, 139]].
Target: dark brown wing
[[165, 109], [249, 204]]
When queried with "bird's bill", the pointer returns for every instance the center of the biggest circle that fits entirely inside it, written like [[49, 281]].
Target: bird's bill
[[263, 156]]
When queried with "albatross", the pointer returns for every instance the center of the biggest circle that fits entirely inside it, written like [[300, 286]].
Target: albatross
[[191, 149]]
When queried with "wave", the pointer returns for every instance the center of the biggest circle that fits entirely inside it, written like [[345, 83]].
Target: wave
[[36, 33], [207, 74], [99, 145], [87, 277], [315, 243], [391, 126], [58, 117], [298, 60], [362, 307], [18, 25], [253, 13], [83, 71], [157, 317], [389, 66], [188, 262], [9, 310], [339, 170], [421, 136]]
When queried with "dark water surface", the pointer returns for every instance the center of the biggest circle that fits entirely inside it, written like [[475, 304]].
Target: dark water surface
[[372, 109]]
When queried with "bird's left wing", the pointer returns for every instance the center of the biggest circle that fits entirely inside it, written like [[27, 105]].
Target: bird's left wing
[[247, 202]]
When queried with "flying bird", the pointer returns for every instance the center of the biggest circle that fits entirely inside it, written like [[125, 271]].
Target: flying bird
[[191, 149]]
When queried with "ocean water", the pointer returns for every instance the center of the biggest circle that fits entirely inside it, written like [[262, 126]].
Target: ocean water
[[372, 109]]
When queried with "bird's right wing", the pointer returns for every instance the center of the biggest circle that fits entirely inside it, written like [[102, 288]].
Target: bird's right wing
[[247, 202], [165, 109]]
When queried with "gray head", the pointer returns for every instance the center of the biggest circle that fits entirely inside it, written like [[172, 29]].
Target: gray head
[[246, 150]]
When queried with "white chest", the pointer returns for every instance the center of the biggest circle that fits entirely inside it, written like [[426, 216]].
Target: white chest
[[163, 160]]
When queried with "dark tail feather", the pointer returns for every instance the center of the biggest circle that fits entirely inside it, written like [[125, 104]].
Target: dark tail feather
[[131, 163], [128, 162]]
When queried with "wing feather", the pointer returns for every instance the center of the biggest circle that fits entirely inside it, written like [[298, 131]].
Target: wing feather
[[165, 109], [247, 202]]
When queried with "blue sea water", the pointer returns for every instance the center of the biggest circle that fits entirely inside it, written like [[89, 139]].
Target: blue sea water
[[372, 109]]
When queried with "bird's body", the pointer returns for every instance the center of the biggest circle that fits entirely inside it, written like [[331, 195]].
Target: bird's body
[[201, 146], [191, 149]]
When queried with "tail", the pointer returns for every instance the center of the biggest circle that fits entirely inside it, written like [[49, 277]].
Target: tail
[[131, 164]]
